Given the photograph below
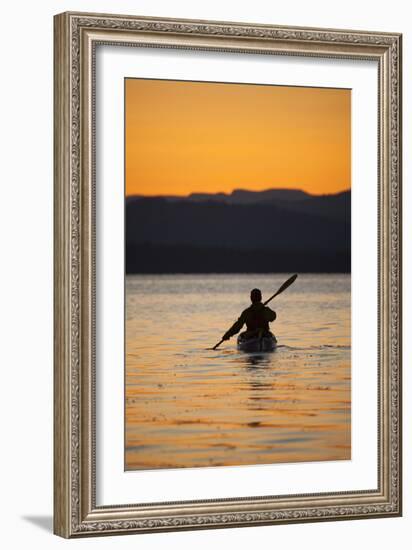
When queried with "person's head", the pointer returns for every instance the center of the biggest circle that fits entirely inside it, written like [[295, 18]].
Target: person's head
[[255, 295]]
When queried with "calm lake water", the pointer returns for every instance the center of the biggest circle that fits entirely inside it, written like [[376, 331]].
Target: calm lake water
[[187, 406]]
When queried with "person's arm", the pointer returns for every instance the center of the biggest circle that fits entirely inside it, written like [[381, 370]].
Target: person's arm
[[235, 328], [270, 314]]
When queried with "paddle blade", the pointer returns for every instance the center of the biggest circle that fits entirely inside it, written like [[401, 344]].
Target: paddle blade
[[217, 345], [285, 285]]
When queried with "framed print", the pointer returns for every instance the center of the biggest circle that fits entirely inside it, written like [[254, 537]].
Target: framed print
[[227, 274]]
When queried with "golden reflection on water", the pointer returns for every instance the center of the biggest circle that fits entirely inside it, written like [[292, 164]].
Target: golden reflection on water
[[187, 406]]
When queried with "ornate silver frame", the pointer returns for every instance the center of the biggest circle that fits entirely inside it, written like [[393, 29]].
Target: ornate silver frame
[[75, 38]]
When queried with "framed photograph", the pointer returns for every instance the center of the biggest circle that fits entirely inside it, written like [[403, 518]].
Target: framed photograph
[[227, 274]]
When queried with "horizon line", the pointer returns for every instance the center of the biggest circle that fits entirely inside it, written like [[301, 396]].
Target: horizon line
[[227, 194]]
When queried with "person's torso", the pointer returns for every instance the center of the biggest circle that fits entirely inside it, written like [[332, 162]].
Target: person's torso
[[256, 317]]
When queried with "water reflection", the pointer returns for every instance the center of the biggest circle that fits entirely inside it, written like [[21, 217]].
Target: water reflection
[[255, 360], [188, 406]]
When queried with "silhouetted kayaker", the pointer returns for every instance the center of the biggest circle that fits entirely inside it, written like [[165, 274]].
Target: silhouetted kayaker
[[257, 318]]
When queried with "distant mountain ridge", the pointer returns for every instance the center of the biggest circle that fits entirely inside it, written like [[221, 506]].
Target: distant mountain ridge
[[246, 231], [241, 196]]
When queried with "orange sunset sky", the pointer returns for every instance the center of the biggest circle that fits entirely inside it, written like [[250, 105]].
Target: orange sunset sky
[[185, 137]]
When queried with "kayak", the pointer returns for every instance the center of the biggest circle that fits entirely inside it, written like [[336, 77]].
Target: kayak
[[265, 343]]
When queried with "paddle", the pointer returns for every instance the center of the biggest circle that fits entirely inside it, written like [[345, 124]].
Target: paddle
[[285, 285]]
